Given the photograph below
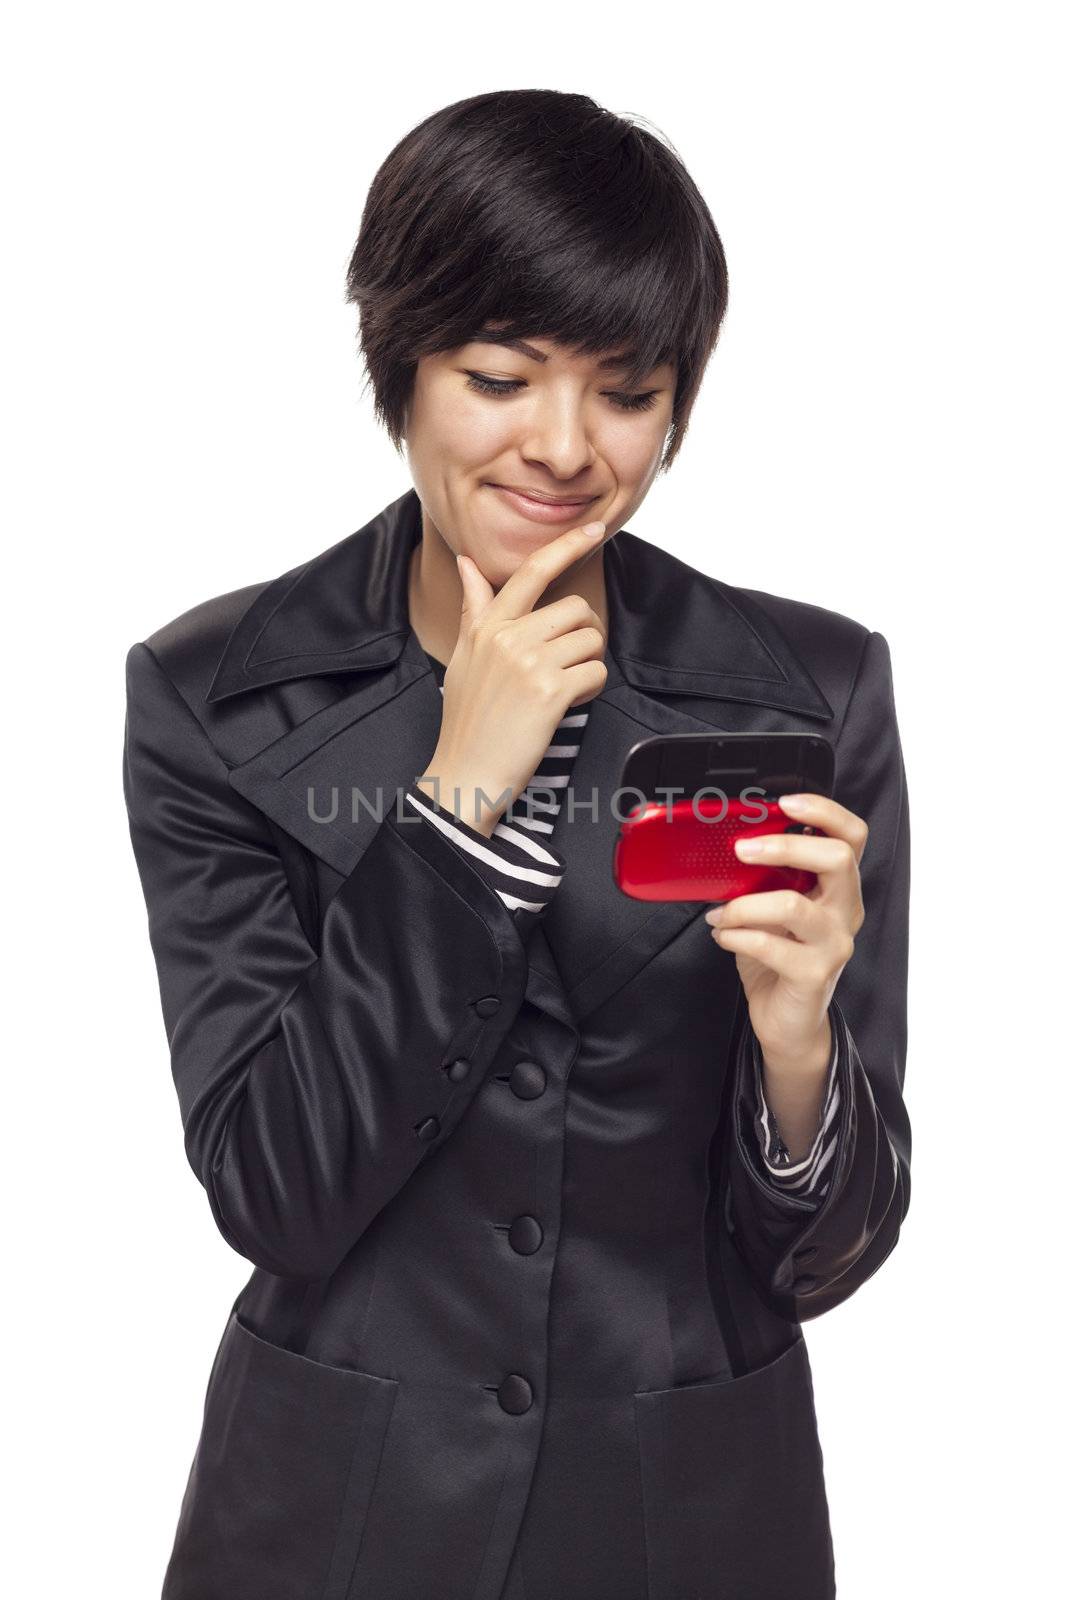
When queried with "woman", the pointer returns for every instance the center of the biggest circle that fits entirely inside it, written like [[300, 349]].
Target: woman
[[538, 1182]]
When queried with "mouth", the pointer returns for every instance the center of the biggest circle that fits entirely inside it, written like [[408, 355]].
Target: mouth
[[547, 499], [543, 508]]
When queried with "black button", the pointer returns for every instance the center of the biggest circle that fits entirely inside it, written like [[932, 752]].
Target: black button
[[805, 1285], [515, 1395], [428, 1129], [808, 1250], [488, 1005], [457, 1070], [527, 1080], [525, 1235]]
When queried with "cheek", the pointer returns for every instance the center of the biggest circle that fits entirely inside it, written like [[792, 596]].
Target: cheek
[[471, 434], [633, 450]]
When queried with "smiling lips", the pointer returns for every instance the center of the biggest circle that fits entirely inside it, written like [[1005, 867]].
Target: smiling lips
[[543, 509]]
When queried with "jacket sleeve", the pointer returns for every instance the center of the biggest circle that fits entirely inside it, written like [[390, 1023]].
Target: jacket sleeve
[[311, 1082], [807, 1253]]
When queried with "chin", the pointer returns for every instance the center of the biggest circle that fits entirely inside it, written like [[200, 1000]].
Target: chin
[[504, 563]]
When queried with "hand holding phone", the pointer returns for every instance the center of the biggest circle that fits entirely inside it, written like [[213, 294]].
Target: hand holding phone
[[696, 795]]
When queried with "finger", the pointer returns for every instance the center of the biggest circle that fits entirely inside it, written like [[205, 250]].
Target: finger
[[584, 682], [580, 644], [808, 966], [829, 815], [834, 857], [785, 910], [528, 582], [477, 591]]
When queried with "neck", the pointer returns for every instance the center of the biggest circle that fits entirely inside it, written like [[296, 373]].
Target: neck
[[435, 592]]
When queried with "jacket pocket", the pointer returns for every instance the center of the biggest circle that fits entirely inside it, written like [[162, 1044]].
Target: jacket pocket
[[733, 1489], [282, 1478]]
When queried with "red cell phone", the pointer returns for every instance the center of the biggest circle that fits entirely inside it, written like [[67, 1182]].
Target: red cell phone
[[695, 794]]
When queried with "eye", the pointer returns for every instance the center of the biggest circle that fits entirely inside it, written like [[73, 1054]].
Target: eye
[[475, 380], [505, 386], [635, 402]]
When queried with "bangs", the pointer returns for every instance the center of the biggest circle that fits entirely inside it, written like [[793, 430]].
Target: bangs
[[614, 277]]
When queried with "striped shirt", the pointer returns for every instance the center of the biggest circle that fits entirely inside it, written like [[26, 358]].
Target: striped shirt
[[810, 1177], [519, 863]]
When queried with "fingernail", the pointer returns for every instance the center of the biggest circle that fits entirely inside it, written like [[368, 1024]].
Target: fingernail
[[591, 529], [714, 916], [748, 847], [793, 802]]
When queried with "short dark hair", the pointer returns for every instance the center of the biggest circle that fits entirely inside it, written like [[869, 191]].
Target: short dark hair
[[545, 213]]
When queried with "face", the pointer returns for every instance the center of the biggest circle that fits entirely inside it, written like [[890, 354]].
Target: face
[[489, 420]]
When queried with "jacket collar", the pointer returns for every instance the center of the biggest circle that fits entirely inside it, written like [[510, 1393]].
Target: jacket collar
[[672, 630]]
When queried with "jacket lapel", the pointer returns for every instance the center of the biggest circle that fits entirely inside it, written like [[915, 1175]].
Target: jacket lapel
[[330, 780], [685, 654]]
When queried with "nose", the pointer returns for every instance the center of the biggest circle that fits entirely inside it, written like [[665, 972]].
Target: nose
[[557, 437]]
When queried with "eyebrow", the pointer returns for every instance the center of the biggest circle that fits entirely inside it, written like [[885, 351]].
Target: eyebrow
[[608, 363]]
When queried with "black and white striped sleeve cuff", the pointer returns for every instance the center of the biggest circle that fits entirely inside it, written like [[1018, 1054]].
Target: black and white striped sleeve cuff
[[524, 872], [812, 1175]]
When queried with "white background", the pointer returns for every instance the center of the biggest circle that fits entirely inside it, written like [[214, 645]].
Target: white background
[[184, 415]]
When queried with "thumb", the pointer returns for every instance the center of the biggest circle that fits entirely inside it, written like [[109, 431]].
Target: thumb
[[477, 591]]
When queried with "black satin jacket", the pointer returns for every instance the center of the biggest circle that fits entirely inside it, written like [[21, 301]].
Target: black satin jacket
[[524, 1319]]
